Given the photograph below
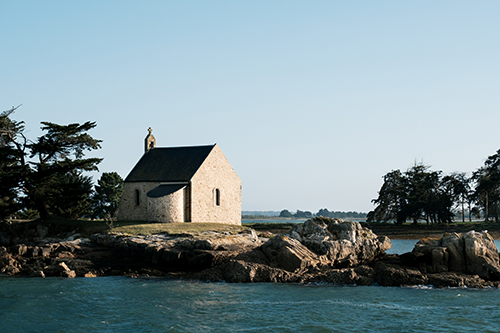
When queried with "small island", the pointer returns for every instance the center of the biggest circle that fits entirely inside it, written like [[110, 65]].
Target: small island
[[196, 194], [320, 250]]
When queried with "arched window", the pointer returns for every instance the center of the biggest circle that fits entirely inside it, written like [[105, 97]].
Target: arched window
[[217, 197], [137, 197]]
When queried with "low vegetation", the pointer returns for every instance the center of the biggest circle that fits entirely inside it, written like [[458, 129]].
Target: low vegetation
[[421, 194], [285, 213], [145, 228], [422, 230], [57, 227], [62, 227], [275, 228]]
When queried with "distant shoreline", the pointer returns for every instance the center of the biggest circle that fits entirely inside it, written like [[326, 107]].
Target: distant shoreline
[[419, 232], [393, 231]]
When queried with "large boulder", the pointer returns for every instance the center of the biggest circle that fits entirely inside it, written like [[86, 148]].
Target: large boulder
[[471, 253], [289, 254], [361, 275], [318, 244], [242, 271], [394, 275], [59, 269], [181, 253], [338, 241], [8, 263]]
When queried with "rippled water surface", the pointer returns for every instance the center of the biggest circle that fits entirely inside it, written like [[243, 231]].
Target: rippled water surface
[[400, 246], [117, 304]]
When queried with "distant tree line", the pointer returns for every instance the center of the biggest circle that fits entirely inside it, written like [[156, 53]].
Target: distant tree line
[[420, 194], [46, 177], [257, 217], [268, 213], [337, 214], [322, 212]]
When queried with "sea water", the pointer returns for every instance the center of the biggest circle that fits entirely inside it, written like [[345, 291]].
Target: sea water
[[120, 304]]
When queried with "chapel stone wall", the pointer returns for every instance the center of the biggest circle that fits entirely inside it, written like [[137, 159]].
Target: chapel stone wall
[[128, 210], [216, 173], [167, 209]]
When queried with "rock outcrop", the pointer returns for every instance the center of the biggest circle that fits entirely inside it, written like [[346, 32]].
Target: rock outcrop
[[181, 253], [44, 260], [472, 253], [318, 245], [319, 250], [337, 241]]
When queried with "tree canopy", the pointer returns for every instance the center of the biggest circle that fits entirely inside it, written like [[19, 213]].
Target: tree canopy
[[12, 163], [322, 212], [46, 174], [285, 213], [420, 194], [107, 195], [487, 190], [417, 194]]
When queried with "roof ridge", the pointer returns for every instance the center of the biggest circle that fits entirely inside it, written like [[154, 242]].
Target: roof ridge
[[169, 163], [199, 146]]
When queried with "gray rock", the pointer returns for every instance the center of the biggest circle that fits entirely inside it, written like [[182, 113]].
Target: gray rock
[[391, 275], [59, 269], [19, 249], [157, 254], [450, 279], [37, 274], [203, 244], [46, 250], [471, 253], [339, 240], [289, 254], [238, 271]]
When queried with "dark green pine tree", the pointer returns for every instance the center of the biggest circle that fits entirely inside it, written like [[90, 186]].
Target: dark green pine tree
[[12, 164], [108, 191], [59, 166], [53, 183], [487, 187], [72, 197], [285, 213]]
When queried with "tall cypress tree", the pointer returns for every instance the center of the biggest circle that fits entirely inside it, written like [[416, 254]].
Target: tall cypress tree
[[53, 171], [108, 192], [12, 163], [60, 156]]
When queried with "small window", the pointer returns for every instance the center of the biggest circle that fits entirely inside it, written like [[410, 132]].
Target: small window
[[137, 197], [217, 197]]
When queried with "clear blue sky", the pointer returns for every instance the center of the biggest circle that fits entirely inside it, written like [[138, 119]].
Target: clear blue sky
[[312, 102]]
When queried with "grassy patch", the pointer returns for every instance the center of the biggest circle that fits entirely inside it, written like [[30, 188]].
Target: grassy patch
[[144, 228], [422, 230], [270, 226], [62, 228], [53, 227]]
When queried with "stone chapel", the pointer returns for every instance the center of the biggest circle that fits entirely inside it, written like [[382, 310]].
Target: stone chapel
[[181, 184]]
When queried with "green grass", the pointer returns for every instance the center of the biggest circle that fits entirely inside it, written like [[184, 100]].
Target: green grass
[[270, 226], [145, 228], [62, 227]]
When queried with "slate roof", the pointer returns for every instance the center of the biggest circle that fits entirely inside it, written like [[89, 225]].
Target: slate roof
[[163, 190], [177, 164]]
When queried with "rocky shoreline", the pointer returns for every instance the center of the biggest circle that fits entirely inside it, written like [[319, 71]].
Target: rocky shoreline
[[321, 250]]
